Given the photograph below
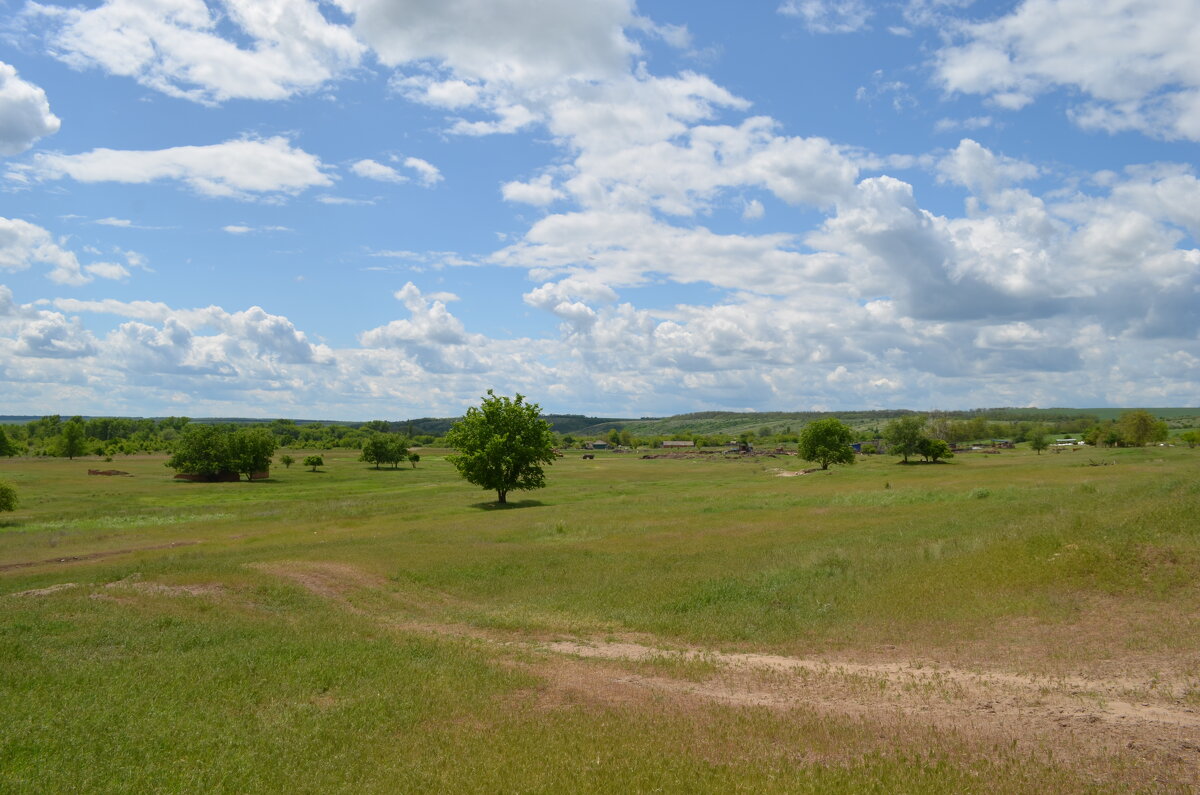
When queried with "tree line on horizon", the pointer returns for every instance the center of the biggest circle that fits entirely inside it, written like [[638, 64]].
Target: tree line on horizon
[[106, 437]]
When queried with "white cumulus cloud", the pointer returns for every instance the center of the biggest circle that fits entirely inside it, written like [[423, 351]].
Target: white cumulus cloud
[[1135, 62], [177, 47], [242, 168], [24, 113], [23, 244]]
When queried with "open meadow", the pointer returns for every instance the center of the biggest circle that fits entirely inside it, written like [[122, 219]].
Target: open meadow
[[1009, 622]]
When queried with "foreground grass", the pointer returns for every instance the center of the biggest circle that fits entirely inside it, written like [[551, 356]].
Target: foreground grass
[[183, 668]]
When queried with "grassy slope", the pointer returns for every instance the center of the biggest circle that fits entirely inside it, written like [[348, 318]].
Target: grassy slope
[[257, 684]]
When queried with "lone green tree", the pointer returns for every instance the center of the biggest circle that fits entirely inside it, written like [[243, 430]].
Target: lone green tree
[[502, 445], [314, 461], [8, 497], [1037, 441], [904, 434], [827, 442], [287, 461], [73, 440], [374, 450]]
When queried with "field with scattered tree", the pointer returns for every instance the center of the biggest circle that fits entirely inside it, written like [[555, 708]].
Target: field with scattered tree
[[1007, 621]]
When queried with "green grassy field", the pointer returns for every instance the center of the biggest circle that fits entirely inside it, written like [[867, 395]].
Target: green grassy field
[[1001, 622]]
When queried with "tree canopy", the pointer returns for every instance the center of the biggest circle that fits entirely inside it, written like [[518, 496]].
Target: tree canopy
[[8, 497], [1139, 427], [904, 434], [1037, 441], [384, 448], [73, 440], [934, 449], [210, 450], [7, 446], [826, 442], [502, 445]]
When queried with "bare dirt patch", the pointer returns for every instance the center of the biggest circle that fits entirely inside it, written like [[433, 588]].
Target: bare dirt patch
[[49, 589], [162, 589], [788, 473], [94, 555], [330, 580], [1087, 721]]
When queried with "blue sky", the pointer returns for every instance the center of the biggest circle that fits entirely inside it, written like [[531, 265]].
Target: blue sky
[[364, 209]]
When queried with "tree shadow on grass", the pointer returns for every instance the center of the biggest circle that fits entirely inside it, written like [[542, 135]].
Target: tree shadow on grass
[[505, 506]]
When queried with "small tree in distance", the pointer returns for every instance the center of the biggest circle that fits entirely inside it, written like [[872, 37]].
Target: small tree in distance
[[1037, 441], [413, 458], [502, 445], [934, 449], [8, 497], [287, 461], [904, 434], [73, 440], [314, 461], [826, 442]]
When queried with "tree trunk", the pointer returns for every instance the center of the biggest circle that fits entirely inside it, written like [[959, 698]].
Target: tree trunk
[[502, 497]]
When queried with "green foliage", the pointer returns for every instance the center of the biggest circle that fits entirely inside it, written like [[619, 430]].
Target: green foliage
[[384, 448], [8, 497], [413, 459], [1190, 438], [903, 436], [7, 446], [826, 442], [210, 450], [314, 461], [73, 441], [250, 451], [1037, 441], [502, 445], [268, 681], [933, 449], [1139, 428], [287, 461], [201, 451]]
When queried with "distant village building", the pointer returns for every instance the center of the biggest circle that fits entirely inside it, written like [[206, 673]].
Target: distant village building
[[678, 443], [596, 445]]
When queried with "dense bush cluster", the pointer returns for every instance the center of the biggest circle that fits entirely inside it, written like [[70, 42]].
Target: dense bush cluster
[[213, 450]]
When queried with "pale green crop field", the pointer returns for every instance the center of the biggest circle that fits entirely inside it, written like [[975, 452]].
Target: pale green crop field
[[362, 630]]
